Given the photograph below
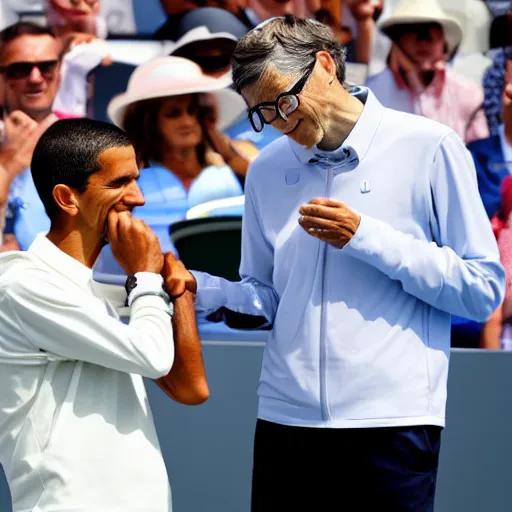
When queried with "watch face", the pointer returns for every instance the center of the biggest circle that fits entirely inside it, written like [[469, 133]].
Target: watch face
[[131, 283]]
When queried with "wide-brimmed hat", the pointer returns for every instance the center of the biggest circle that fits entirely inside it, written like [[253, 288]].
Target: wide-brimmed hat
[[176, 76], [200, 35], [424, 11], [215, 19]]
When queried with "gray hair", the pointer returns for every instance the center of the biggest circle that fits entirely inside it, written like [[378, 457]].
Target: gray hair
[[288, 43]]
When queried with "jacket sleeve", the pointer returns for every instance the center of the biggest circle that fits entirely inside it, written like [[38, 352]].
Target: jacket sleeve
[[459, 272], [78, 327], [254, 295]]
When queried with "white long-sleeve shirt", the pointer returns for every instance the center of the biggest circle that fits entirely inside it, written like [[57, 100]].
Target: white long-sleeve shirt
[[361, 335], [71, 97], [76, 429]]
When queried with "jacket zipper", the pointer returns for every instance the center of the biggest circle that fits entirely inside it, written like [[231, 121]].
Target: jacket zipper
[[323, 318]]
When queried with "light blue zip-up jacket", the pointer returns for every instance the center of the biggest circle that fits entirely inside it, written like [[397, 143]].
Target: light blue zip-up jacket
[[361, 335]]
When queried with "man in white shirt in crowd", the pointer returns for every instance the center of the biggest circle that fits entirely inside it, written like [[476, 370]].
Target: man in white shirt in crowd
[[76, 428], [363, 232]]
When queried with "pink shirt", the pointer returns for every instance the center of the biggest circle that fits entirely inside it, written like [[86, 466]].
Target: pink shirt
[[451, 99]]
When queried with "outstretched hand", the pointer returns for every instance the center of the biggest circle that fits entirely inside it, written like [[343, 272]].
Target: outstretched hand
[[177, 278]]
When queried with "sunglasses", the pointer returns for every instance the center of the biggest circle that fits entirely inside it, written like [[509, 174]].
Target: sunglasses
[[212, 64], [20, 70]]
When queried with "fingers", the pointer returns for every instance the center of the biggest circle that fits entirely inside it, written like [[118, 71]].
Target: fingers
[[324, 230], [107, 61], [214, 159], [118, 225], [170, 259], [175, 287], [321, 211], [315, 223], [325, 201], [20, 121], [177, 278], [174, 277], [124, 223]]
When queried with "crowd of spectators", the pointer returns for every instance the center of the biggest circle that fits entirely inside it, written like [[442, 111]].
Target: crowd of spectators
[[190, 129]]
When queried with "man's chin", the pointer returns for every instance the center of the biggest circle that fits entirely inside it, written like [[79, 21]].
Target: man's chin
[[312, 139]]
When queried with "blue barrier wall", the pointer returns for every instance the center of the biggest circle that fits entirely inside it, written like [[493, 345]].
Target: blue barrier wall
[[208, 449]]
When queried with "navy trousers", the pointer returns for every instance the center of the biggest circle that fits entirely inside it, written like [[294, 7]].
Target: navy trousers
[[366, 469]]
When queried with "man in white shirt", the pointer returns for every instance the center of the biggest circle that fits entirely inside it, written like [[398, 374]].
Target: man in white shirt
[[76, 428]]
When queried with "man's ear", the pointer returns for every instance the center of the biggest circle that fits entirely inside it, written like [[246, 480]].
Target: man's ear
[[66, 199], [326, 61]]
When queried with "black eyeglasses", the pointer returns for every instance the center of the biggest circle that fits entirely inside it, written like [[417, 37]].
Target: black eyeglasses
[[284, 105], [19, 70]]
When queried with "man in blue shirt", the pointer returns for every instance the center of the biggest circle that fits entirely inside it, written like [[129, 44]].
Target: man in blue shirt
[[363, 232]]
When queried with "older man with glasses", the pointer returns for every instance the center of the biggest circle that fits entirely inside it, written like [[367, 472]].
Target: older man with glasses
[[363, 232], [30, 61]]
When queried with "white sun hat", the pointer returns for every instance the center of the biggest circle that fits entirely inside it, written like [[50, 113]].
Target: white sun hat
[[176, 76], [425, 11], [201, 34]]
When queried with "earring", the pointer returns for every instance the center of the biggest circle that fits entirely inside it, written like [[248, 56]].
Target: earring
[[330, 80]]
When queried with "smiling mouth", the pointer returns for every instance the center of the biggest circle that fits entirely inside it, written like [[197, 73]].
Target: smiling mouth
[[293, 129]]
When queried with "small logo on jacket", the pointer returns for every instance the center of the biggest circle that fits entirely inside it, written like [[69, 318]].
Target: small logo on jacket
[[365, 187], [292, 176]]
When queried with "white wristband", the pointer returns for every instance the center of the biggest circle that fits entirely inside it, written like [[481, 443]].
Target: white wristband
[[148, 283]]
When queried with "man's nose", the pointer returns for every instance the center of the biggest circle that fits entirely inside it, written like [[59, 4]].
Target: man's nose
[[134, 196], [35, 75]]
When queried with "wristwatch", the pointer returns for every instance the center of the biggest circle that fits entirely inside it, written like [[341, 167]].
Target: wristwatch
[[150, 284], [129, 285]]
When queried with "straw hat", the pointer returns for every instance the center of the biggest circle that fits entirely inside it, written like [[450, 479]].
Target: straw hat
[[175, 76], [425, 11]]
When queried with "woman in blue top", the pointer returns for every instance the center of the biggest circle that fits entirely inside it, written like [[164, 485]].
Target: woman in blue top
[[175, 127]]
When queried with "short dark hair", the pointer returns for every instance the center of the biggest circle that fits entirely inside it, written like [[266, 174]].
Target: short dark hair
[[67, 153], [287, 42], [22, 28]]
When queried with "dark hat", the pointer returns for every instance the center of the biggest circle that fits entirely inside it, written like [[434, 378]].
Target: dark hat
[[215, 19]]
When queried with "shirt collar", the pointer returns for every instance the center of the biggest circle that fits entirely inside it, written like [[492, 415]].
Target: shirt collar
[[61, 262], [357, 143]]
